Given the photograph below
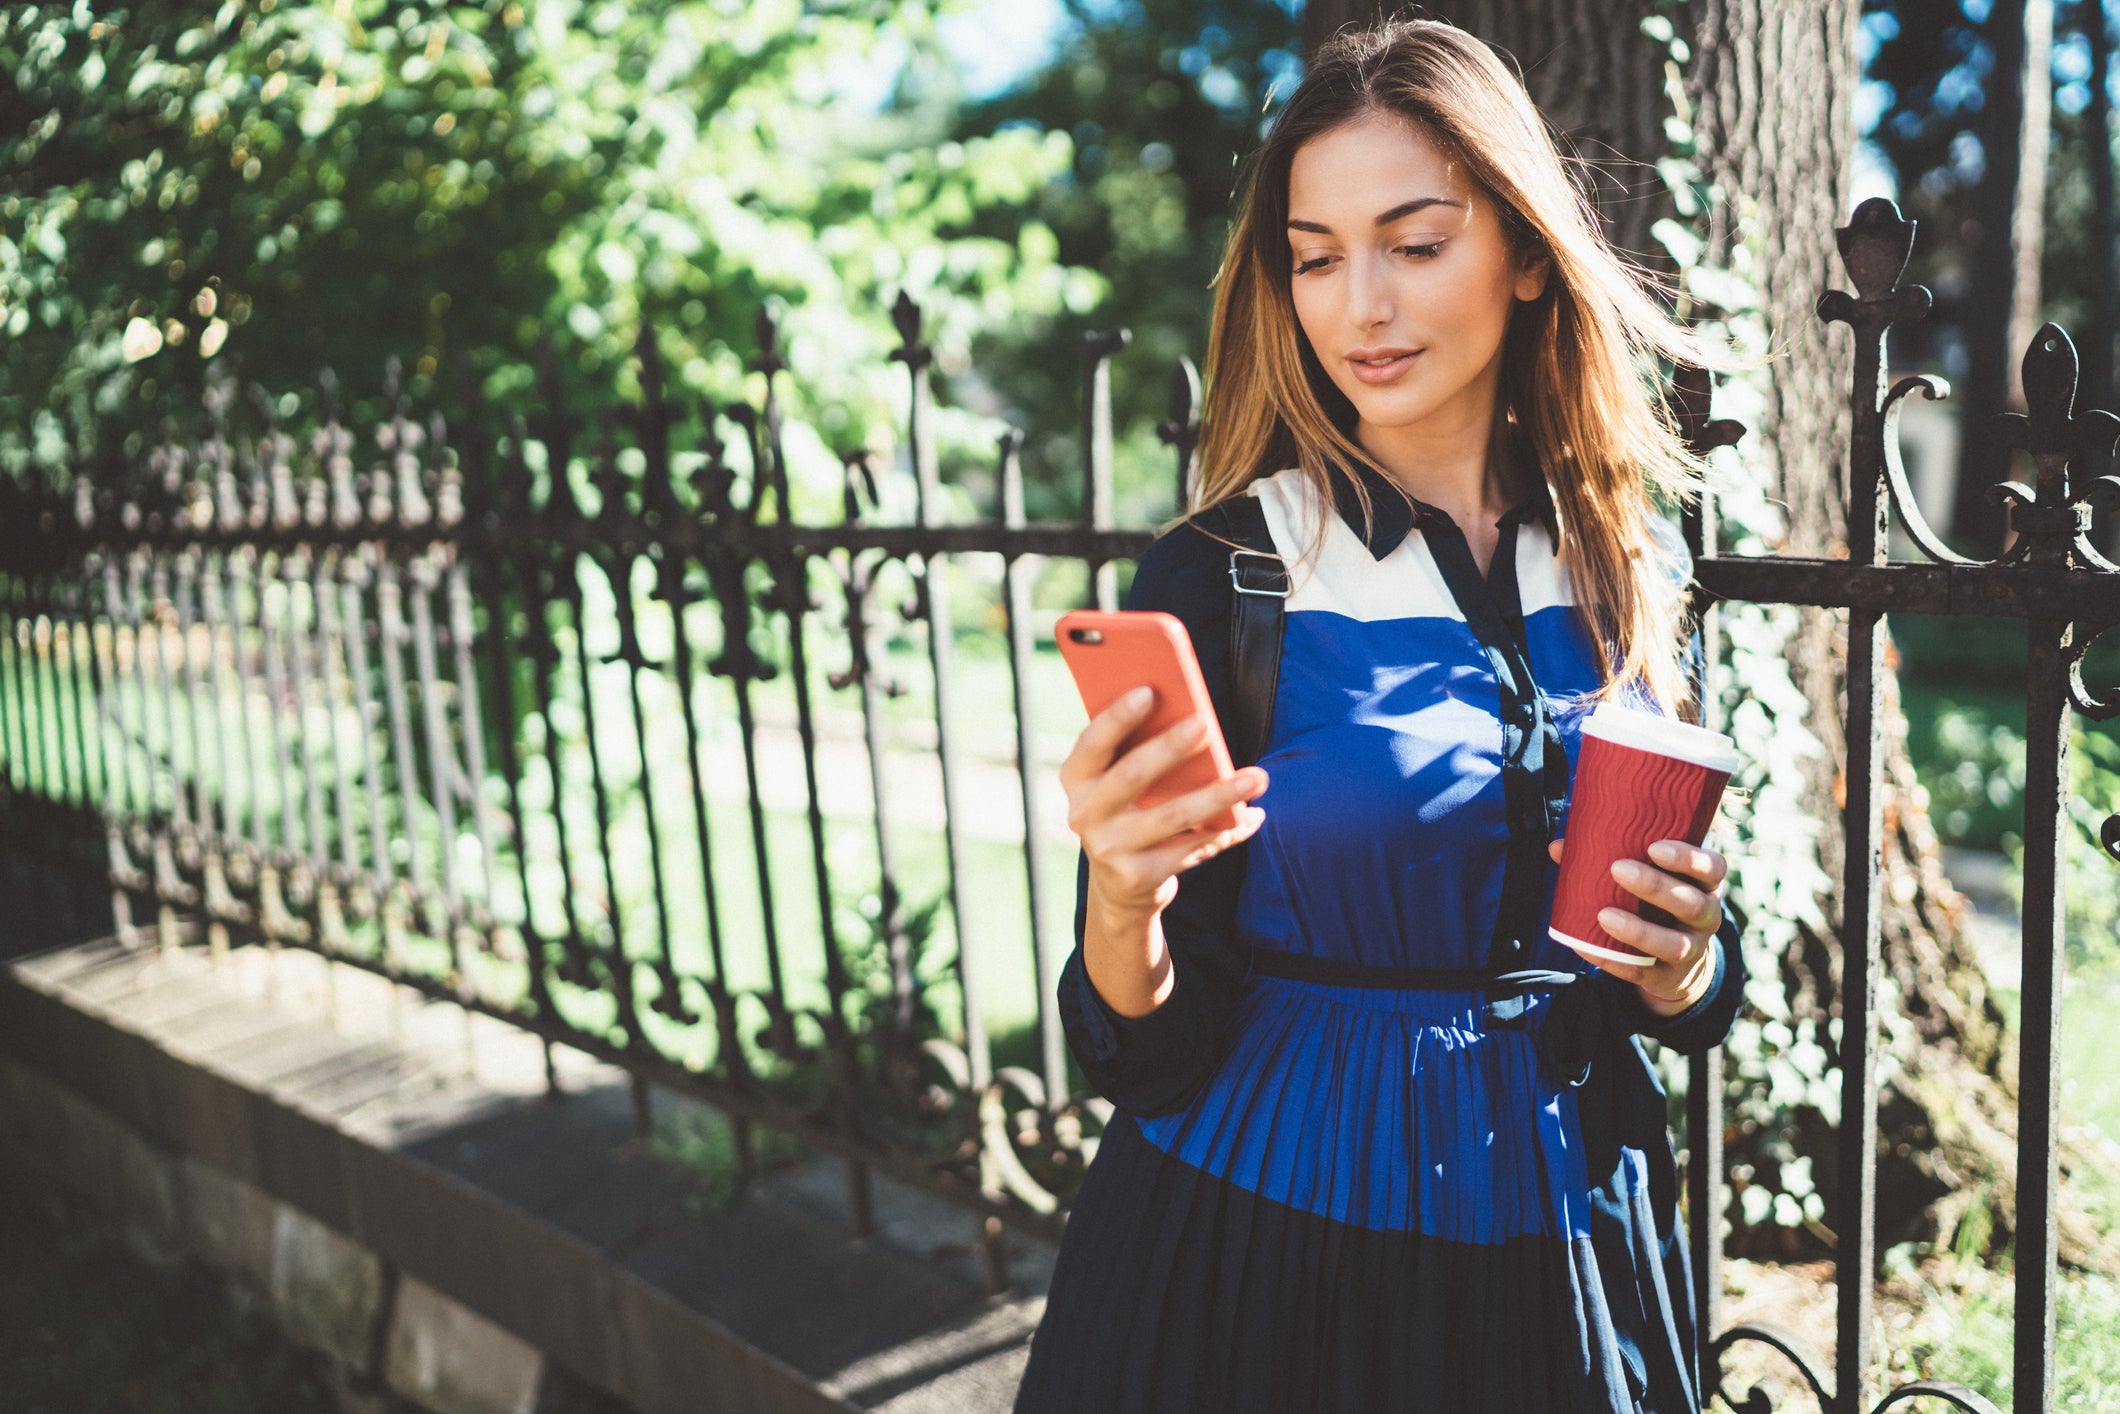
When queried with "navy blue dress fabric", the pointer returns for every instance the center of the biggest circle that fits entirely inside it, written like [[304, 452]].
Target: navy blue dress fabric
[[1350, 1198]]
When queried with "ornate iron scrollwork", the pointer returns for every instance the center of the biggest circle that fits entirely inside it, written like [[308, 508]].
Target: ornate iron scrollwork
[[2099, 707], [1911, 520], [1798, 1353], [1788, 1345], [1957, 1395]]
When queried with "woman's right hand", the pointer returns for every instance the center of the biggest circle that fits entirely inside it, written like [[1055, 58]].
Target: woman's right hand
[[1135, 854]]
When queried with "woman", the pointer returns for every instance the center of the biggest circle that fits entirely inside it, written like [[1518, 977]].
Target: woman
[[1330, 1183]]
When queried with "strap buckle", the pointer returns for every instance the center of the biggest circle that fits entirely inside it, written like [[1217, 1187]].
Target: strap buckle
[[1236, 573]]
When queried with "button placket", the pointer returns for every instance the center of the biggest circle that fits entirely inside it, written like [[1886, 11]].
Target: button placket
[[1532, 789]]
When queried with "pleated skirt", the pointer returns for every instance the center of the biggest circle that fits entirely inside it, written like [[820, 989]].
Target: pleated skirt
[[1373, 1204]]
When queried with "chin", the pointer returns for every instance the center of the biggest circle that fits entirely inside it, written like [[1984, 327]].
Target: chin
[[1392, 412]]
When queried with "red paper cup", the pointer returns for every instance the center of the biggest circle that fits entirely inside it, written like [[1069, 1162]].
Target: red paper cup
[[1639, 778]]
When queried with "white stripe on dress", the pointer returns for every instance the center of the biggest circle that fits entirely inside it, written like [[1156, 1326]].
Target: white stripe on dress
[[1340, 576]]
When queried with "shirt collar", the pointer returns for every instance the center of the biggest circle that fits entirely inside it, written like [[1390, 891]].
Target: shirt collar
[[1393, 513]]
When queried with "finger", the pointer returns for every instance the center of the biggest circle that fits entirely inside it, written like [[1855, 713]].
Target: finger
[[1176, 855], [1667, 945], [1553, 850], [1140, 829], [1139, 768], [1684, 901], [1633, 972], [1697, 862], [1095, 749], [1656, 978], [1249, 818]]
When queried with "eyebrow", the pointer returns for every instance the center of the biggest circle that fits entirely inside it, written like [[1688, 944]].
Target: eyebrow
[[1403, 209]]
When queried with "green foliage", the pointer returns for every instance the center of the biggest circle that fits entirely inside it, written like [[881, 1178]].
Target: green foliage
[[1965, 721], [871, 1005], [2092, 932], [705, 1140], [1973, 768], [1162, 99], [1965, 1332], [302, 185], [1782, 1098]]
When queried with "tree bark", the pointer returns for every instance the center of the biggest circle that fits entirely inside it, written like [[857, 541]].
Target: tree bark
[[2105, 310], [1591, 72], [1772, 89]]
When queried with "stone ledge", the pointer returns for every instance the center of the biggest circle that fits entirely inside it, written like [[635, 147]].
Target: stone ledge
[[412, 1169]]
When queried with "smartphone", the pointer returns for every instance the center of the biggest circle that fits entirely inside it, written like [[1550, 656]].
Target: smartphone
[[1112, 654]]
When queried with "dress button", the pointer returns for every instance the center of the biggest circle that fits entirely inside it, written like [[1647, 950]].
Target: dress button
[[1516, 945]]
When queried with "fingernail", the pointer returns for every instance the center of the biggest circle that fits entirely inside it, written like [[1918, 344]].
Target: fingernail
[[1626, 870], [1664, 852], [1610, 918], [1138, 697], [1191, 729]]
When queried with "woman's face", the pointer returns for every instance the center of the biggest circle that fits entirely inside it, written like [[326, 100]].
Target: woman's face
[[1402, 279]]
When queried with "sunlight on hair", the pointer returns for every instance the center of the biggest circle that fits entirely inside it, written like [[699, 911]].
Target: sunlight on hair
[[1583, 364]]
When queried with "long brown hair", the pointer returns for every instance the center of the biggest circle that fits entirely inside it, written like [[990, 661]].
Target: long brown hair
[[1576, 399]]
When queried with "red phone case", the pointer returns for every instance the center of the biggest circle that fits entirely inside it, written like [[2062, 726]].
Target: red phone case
[[1111, 654]]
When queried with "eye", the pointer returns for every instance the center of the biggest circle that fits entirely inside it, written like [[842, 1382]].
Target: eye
[[1314, 263], [1422, 252]]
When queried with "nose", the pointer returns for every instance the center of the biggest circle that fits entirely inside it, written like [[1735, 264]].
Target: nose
[[1370, 300]]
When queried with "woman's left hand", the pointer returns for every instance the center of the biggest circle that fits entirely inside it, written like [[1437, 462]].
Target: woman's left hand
[[1686, 882]]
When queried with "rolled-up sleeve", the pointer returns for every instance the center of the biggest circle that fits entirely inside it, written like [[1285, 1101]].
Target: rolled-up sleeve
[[1153, 1064]]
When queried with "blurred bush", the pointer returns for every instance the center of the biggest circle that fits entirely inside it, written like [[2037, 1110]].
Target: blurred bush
[[294, 185], [1161, 101]]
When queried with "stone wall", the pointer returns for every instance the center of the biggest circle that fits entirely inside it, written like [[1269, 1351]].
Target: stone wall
[[392, 1182]]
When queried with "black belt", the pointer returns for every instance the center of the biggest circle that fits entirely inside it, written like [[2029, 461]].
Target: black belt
[[1568, 1039], [1338, 972]]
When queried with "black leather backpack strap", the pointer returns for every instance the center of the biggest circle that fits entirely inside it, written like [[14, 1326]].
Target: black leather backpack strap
[[1259, 584]]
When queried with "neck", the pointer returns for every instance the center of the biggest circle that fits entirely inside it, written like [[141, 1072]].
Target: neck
[[1449, 459]]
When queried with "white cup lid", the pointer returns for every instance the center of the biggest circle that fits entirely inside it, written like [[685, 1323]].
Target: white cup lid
[[1666, 736]]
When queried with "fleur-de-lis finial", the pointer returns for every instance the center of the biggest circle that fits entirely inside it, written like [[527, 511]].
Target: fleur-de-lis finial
[[859, 490], [2052, 519], [652, 425], [710, 479], [651, 369], [906, 318], [610, 481], [1874, 247], [767, 332]]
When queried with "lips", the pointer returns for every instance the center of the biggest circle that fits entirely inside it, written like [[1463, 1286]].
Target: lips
[[1381, 365]]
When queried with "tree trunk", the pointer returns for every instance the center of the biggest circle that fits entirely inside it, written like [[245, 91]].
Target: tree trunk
[[2003, 308], [2105, 309], [1593, 75], [2034, 139], [1772, 87]]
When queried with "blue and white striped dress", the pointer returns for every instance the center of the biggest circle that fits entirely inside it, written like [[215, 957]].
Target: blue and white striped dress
[[1356, 1198]]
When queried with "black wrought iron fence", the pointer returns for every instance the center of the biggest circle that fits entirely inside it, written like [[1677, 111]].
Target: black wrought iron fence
[[2053, 579], [578, 724]]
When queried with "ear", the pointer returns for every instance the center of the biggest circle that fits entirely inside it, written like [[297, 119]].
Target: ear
[[1531, 275]]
